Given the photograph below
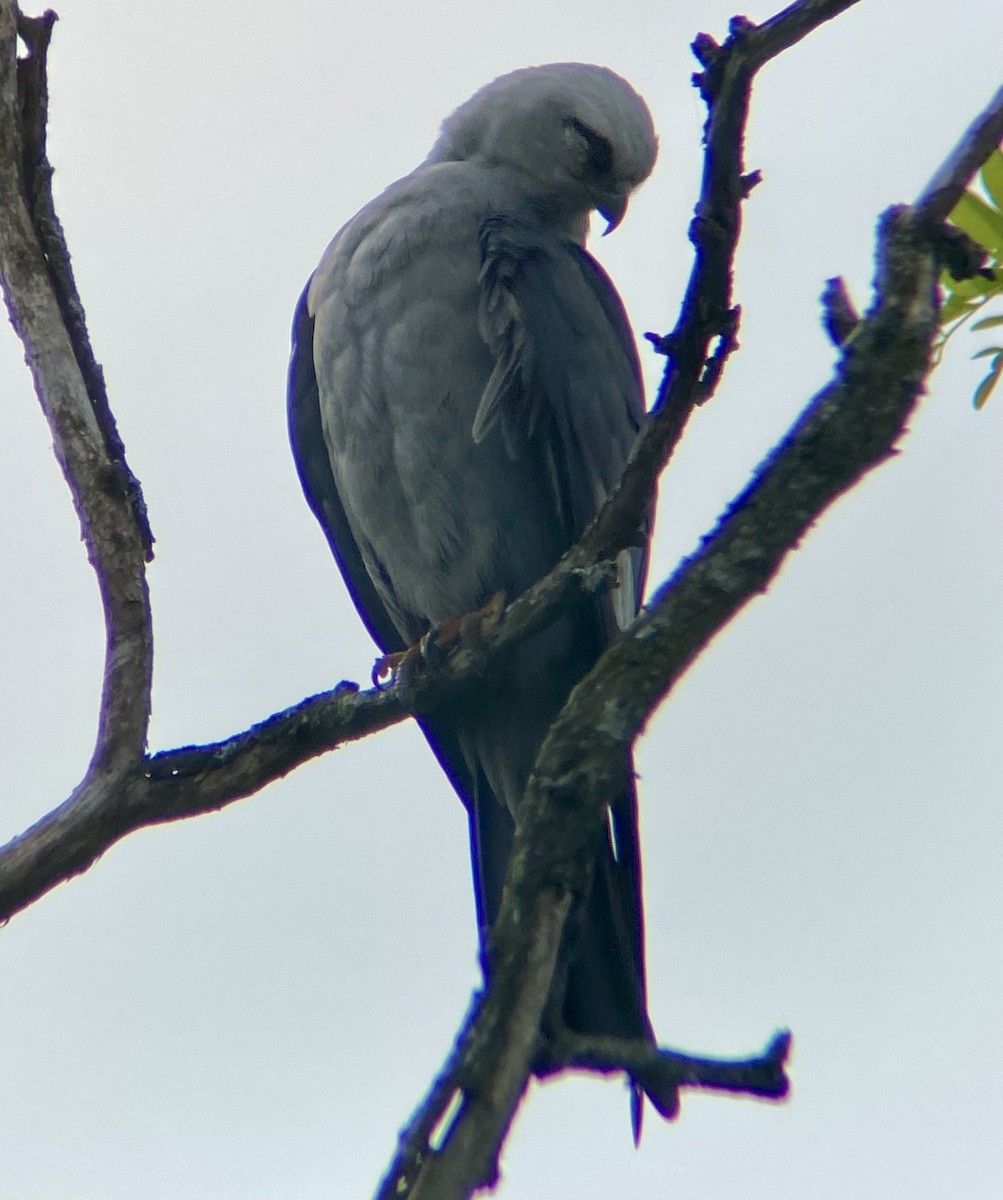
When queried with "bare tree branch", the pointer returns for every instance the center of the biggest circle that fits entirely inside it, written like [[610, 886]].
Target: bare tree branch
[[665, 1072], [39, 292], [115, 544], [36, 33], [115, 540], [981, 138], [193, 780], [848, 428]]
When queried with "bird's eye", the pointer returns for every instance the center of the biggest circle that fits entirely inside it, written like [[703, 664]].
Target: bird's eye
[[598, 151]]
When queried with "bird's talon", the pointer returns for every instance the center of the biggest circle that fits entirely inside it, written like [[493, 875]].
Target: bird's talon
[[385, 669]]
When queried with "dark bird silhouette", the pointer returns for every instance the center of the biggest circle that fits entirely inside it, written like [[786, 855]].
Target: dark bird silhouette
[[464, 392]]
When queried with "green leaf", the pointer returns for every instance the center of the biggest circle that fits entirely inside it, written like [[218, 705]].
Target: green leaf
[[985, 388], [954, 308], [986, 323], [971, 289], [980, 221], [988, 350], [992, 177]]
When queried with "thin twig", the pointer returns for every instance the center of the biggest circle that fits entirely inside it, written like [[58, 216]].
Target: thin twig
[[948, 184], [839, 316], [664, 1072]]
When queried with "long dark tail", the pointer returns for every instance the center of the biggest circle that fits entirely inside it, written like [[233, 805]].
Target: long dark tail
[[488, 749]]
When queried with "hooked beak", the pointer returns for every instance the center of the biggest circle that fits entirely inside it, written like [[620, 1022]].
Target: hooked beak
[[612, 209]]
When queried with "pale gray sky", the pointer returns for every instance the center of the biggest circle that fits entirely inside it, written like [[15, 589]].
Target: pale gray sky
[[247, 1006]]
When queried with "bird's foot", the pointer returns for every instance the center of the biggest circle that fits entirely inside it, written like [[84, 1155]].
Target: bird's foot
[[386, 669], [465, 631]]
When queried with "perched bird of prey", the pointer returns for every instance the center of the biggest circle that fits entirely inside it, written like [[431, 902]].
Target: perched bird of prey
[[464, 392]]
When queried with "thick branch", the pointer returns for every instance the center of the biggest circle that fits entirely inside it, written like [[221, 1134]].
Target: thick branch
[[45, 312], [30, 275], [493, 1086]]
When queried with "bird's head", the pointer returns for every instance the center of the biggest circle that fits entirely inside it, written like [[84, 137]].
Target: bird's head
[[578, 135]]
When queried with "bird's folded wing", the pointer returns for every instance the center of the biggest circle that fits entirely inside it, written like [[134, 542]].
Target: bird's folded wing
[[562, 388], [313, 463]]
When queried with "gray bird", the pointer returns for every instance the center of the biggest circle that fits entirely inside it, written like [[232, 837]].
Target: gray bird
[[464, 392]]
